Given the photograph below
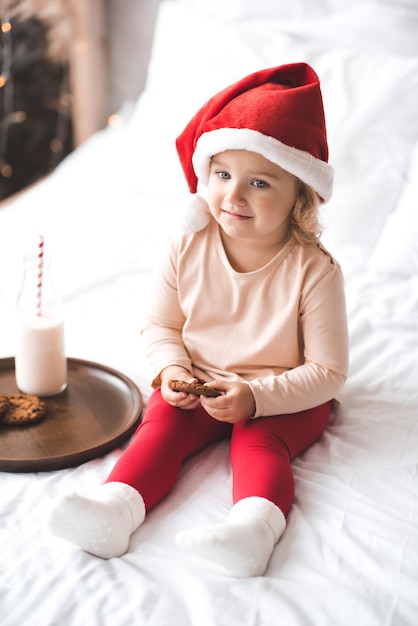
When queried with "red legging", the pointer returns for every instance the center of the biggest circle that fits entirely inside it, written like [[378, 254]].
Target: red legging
[[261, 450]]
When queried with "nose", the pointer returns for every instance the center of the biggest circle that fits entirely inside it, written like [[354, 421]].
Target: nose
[[235, 193]]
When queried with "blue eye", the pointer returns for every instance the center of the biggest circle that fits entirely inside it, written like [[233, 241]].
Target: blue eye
[[260, 184], [223, 175]]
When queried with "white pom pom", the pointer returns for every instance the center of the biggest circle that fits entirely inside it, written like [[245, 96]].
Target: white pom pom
[[197, 215]]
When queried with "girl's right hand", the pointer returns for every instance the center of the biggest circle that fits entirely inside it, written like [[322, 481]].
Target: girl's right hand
[[179, 399]]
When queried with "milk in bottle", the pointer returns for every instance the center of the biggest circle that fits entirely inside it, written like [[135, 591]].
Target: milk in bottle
[[40, 361]]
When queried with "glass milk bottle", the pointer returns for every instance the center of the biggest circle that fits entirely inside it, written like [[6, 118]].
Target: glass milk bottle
[[40, 362]]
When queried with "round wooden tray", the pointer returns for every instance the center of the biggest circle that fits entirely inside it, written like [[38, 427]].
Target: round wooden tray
[[98, 411]]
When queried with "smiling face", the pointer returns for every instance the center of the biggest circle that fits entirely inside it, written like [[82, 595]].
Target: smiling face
[[251, 198]]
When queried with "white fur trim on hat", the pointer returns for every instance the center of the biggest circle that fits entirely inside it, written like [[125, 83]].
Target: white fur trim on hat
[[314, 172], [197, 215]]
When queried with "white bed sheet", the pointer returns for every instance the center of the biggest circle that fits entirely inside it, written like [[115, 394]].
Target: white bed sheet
[[350, 551]]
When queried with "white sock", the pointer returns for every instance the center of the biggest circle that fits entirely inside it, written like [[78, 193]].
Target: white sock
[[244, 544], [102, 524]]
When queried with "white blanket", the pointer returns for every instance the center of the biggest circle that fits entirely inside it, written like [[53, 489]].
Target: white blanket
[[349, 555]]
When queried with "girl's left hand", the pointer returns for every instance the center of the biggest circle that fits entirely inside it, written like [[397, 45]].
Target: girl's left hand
[[235, 405]]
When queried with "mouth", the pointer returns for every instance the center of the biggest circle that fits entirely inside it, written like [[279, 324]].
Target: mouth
[[235, 216]]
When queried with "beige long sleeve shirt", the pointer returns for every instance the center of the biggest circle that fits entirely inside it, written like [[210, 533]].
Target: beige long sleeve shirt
[[281, 328]]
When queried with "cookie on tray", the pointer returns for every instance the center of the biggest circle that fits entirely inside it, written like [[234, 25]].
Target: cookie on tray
[[195, 388], [4, 404], [23, 410]]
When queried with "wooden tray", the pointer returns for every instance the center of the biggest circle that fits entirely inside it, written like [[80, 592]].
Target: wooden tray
[[98, 411]]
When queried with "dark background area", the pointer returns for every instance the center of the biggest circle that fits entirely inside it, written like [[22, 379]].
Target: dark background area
[[37, 133]]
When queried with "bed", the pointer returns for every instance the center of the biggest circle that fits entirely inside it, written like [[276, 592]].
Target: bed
[[350, 551]]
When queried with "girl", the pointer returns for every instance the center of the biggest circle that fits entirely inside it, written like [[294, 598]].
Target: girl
[[249, 302]]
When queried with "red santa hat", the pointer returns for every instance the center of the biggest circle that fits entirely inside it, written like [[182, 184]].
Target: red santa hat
[[276, 112]]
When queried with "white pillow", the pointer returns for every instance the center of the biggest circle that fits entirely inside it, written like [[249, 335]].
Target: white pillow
[[388, 25], [248, 9], [396, 252], [372, 114]]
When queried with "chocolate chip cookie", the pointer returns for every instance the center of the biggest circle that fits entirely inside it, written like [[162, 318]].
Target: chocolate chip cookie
[[196, 388], [23, 409]]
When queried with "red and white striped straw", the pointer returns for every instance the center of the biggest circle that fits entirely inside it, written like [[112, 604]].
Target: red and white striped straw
[[40, 275]]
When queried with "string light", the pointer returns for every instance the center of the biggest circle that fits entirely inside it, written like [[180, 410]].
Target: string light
[[6, 27], [114, 120]]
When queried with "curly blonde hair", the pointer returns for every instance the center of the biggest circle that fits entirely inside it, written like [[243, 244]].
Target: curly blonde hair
[[304, 224]]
